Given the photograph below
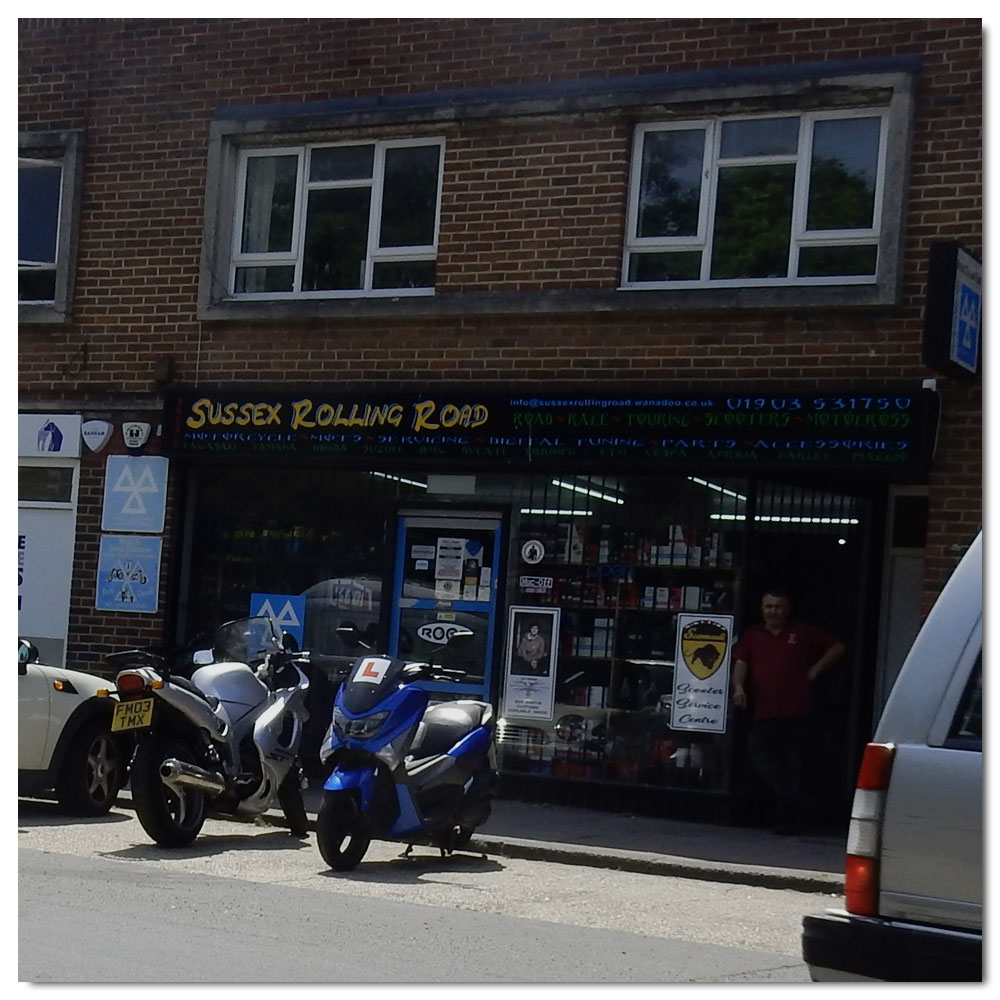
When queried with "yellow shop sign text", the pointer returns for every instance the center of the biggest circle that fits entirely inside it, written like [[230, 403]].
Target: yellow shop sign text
[[306, 414]]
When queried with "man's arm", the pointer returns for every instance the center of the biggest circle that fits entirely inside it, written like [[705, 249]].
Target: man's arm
[[832, 654], [739, 682]]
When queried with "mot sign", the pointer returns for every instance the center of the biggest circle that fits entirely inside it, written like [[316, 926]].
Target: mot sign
[[954, 311]]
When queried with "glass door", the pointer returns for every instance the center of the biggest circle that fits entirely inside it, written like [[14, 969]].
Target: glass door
[[446, 573]]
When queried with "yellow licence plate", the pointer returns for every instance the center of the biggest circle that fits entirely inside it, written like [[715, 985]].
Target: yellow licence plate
[[132, 715]]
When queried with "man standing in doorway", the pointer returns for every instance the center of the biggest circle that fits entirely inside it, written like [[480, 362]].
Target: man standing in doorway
[[774, 666]]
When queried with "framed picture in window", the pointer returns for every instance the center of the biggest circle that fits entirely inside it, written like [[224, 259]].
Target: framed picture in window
[[530, 662]]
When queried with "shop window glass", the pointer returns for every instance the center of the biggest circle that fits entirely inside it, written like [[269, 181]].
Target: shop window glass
[[623, 557]]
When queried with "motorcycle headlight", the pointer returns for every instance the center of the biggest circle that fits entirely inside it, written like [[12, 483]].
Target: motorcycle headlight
[[357, 729]]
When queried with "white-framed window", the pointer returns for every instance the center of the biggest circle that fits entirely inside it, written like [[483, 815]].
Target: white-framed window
[[48, 182], [761, 200], [336, 220]]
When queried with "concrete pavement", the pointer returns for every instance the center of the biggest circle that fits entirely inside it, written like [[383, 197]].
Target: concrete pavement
[[650, 845], [644, 844]]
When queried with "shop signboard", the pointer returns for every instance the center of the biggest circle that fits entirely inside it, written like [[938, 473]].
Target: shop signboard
[[701, 673], [891, 430], [530, 664], [953, 311]]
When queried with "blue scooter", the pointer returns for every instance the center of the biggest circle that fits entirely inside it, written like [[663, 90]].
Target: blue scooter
[[402, 768]]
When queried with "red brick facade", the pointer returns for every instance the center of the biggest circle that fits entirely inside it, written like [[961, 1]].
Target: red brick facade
[[532, 203]]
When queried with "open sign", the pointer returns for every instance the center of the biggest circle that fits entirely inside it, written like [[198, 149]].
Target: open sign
[[438, 632]]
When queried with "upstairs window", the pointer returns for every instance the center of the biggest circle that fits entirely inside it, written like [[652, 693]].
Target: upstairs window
[[756, 201], [328, 221], [47, 183]]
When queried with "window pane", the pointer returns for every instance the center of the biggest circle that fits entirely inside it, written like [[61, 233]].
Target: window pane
[[270, 204], [843, 174], [265, 279], [336, 239], [760, 137], [753, 218], [681, 266], [409, 196], [816, 262], [670, 183], [36, 286], [341, 163], [403, 274], [968, 721], [38, 213], [51, 484]]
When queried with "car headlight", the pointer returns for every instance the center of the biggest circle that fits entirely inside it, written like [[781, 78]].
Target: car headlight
[[357, 729]]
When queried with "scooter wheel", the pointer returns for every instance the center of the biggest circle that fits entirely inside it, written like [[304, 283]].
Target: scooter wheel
[[341, 831]]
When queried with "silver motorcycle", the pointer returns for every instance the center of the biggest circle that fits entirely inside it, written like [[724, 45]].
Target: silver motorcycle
[[226, 740]]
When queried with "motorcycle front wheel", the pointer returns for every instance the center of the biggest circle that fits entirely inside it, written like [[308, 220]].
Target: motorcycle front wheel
[[173, 817], [340, 831]]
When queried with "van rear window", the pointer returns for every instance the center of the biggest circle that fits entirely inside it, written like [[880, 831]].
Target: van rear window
[[967, 726]]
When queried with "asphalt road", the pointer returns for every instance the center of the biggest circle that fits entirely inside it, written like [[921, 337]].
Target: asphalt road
[[250, 904]]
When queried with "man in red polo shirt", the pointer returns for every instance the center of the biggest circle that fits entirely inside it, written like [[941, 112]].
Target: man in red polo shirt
[[774, 665]]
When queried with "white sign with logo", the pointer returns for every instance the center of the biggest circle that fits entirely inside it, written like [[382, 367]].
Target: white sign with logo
[[97, 433], [52, 435], [701, 673]]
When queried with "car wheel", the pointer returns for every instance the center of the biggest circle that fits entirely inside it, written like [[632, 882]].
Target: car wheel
[[91, 774]]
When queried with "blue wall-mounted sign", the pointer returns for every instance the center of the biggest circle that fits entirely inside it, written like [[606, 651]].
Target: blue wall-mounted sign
[[287, 611], [128, 573], [135, 493], [953, 311]]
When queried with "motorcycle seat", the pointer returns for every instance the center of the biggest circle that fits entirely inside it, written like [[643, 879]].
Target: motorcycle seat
[[187, 685], [443, 725]]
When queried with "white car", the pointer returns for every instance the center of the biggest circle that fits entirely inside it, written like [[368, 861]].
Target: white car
[[64, 739]]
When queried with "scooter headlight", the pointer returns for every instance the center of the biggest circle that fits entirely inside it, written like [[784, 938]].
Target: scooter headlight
[[357, 729]]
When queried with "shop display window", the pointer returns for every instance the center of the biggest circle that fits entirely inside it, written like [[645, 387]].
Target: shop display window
[[622, 558]]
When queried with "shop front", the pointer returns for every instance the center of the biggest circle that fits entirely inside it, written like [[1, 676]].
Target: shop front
[[605, 550]]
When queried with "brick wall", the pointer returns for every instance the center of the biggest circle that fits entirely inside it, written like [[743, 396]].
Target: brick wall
[[534, 203]]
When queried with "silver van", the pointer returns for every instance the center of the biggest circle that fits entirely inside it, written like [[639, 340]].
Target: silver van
[[913, 886]]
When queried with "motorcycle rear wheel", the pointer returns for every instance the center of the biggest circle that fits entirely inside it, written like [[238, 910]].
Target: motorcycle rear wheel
[[340, 831], [173, 817]]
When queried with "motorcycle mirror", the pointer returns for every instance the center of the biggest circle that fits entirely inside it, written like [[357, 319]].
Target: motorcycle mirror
[[202, 657], [460, 636], [289, 642], [349, 634]]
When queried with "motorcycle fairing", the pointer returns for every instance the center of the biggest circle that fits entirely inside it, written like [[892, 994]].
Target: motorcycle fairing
[[405, 707], [362, 778], [477, 742]]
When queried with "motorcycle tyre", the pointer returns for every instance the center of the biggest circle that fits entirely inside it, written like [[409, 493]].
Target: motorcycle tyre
[[340, 820], [156, 806], [292, 805]]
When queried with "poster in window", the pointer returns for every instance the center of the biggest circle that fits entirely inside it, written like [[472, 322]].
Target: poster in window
[[530, 666], [701, 673]]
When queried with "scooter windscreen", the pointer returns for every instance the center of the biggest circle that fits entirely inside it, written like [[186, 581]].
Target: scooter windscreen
[[371, 680]]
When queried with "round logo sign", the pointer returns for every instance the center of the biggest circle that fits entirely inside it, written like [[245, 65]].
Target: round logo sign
[[533, 551], [437, 632]]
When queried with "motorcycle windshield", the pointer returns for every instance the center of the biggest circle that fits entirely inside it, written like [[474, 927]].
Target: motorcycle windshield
[[246, 640], [371, 680]]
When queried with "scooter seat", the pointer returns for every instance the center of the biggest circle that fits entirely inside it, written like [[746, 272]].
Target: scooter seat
[[444, 724]]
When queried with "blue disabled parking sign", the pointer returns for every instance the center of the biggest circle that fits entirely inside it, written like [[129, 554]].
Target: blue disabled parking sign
[[287, 611]]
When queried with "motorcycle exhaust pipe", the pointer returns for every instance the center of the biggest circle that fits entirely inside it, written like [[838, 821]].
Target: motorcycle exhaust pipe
[[180, 772]]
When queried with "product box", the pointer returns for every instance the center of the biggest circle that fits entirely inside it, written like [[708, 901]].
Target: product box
[[596, 697], [691, 598], [648, 599], [662, 597]]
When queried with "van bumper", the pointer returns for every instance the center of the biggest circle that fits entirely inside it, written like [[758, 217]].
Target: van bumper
[[839, 946]]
